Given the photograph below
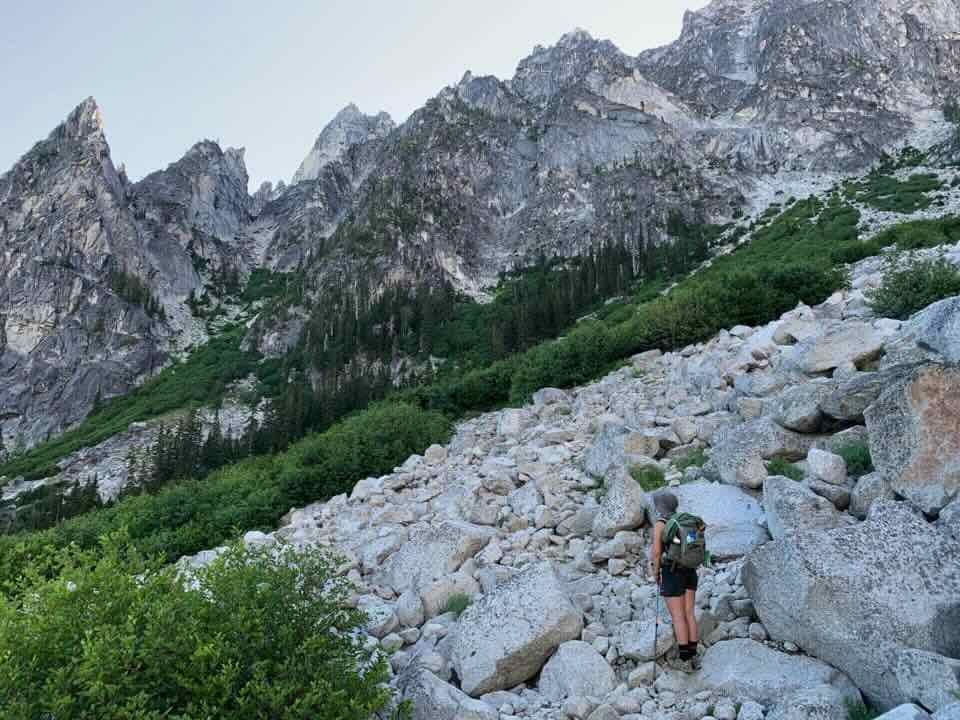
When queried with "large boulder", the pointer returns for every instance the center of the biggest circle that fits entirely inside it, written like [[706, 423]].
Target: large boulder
[[624, 506], [732, 516], [867, 491], [739, 452], [433, 699], [864, 597], [616, 448], [950, 712], [949, 519], [907, 711], [914, 440], [576, 670], [824, 702], [798, 407], [937, 328], [432, 552], [850, 342], [505, 637], [856, 393], [747, 669], [643, 640], [792, 507]]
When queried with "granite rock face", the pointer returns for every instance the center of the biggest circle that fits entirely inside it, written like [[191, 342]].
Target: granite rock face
[[883, 607], [504, 638], [913, 436]]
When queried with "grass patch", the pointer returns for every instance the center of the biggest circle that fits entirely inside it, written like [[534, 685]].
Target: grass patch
[[457, 603], [779, 466], [857, 457], [695, 458], [649, 477]]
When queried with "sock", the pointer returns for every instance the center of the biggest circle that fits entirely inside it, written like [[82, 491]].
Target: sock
[[686, 653]]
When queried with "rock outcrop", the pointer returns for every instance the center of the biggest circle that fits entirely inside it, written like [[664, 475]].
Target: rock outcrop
[[842, 596], [913, 436], [505, 637]]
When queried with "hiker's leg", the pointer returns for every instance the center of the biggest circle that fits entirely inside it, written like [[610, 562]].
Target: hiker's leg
[[679, 617], [689, 605]]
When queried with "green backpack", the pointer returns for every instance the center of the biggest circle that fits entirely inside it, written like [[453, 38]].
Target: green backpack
[[685, 541]]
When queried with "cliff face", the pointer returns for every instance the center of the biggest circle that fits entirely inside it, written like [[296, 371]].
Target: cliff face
[[585, 145], [94, 271], [813, 85]]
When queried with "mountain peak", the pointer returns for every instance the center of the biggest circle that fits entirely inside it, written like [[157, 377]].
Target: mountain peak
[[348, 128], [575, 37], [85, 119], [576, 56]]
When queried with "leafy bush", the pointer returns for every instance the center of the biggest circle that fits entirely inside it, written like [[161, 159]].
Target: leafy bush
[[197, 514], [458, 603], [370, 443], [649, 477], [857, 457], [254, 634], [914, 285], [779, 466]]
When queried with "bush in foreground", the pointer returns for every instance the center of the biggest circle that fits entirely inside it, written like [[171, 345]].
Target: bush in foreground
[[256, 634]]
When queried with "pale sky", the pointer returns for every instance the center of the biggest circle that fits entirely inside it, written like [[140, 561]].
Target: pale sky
[[268, 76]]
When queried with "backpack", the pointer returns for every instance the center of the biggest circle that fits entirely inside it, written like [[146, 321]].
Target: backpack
[[685, 541]]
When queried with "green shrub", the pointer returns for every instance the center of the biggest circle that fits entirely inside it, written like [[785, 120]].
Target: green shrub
[[254, 634], [779, 466], [695, 458], [649, 477], [857, 457], [913, 285], [884, 192], [859, 711], [190, 516], [457, 603], [369, 443]]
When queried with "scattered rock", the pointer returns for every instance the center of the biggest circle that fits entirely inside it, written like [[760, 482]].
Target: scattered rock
[[505, 637], [868, 490], [937, 328], [827, 467], [851, 342], [824, 702], [748, 669], [798, 407], [433, 699], [791, 507], [576, 669], [624, 506]]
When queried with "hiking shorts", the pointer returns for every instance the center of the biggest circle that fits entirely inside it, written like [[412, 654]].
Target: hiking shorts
[[675, 582]]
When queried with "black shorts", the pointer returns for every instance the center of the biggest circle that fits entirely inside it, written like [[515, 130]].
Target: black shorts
[[674, 583]]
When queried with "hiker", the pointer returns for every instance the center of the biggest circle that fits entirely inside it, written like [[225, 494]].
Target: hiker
[[678, 549]]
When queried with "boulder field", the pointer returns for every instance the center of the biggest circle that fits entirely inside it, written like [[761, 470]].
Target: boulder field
[[506, 573]]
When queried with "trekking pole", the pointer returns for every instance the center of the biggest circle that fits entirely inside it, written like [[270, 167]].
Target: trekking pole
[[656, 629]]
